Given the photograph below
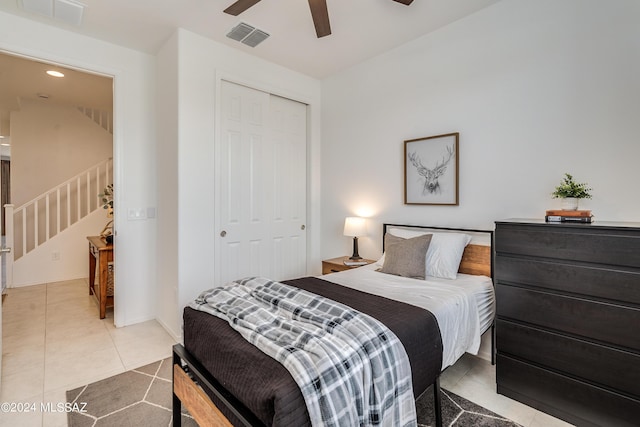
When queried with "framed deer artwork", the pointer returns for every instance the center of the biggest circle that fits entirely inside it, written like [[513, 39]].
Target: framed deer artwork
[[431, 170]]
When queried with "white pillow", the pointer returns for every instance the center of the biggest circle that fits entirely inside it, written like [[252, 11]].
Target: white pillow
[[444, 253], [444, 260]]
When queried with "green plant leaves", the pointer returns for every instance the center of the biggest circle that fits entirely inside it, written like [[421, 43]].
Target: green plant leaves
[[569, 188]]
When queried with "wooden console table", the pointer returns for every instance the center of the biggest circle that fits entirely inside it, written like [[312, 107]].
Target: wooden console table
[[100, 254]]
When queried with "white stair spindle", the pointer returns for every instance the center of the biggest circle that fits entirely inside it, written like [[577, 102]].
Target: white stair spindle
[[47, 236], [9, 243], [98, 187], [35, 224], [78, 201], [68, 204], [88, 192], [58, 210], [24, 231]]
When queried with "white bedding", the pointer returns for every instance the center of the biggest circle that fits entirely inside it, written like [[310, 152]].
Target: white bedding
[[464, 307]]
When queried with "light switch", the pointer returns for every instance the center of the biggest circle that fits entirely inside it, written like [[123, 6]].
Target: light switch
[[134, 214]]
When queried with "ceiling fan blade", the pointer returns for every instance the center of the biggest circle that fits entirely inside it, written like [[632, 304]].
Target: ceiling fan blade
[[320, 16], [240, 6], [407, 2]]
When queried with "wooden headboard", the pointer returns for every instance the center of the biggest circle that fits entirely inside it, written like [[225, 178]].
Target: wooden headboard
[[477, 258]]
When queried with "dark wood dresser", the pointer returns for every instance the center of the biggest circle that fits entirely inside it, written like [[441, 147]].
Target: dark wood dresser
[[568, 319]]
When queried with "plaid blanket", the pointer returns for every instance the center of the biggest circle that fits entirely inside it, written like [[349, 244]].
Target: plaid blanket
[[351, 369]]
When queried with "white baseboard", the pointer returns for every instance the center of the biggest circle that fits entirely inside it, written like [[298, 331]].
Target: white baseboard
[[177, 337]]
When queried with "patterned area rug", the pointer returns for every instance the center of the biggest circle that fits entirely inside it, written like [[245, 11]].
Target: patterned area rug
[[458, 412], [142, 397]]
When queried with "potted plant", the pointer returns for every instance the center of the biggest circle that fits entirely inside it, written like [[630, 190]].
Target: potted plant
[[106, 197], [570, 192]]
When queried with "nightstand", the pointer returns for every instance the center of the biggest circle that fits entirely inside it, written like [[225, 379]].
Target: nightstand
[[335, 265]]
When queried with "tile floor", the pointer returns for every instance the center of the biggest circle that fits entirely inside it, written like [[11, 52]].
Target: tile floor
[[475, 379], [53, 341]]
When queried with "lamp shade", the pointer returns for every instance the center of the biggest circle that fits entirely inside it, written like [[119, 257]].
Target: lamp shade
[[355, 226]]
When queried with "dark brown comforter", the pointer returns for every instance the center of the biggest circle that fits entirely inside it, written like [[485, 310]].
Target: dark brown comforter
[[267, 388]]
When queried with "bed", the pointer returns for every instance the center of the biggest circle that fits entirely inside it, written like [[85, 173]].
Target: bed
[[436, 319]]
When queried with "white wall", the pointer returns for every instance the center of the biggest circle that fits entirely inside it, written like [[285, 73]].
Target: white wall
[[167, 154], [134, 147], [535, 88], [39, 266], [202, 64], [49, 145]]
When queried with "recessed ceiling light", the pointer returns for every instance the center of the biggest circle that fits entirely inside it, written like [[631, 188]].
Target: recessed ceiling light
[[55, 73]]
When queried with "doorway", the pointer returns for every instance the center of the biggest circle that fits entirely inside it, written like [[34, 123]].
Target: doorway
[[58, 128]]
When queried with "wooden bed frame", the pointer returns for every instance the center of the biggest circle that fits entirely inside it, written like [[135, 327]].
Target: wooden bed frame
[[190, 377]]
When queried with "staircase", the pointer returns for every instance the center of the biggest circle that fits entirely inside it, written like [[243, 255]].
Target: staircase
[[56, 210], [104, 119]]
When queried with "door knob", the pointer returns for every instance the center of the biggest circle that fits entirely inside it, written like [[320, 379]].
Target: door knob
[[5, 250], [223, 233], [302, 227]]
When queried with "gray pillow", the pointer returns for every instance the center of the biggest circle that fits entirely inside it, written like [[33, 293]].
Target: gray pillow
[[405, 257]]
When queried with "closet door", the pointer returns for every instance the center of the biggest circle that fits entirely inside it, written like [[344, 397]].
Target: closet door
[[261, 188]]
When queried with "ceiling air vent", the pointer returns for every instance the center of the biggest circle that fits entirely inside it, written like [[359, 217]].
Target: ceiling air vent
[[68, 11], [255, 38], [247, 34]]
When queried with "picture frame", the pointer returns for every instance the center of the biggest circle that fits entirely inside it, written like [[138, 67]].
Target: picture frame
[[431, 170]]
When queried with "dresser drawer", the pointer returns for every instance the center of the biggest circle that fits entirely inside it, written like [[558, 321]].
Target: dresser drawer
[[611, 247], [591, 362], [574, 401], [614, 284], [600, 321]]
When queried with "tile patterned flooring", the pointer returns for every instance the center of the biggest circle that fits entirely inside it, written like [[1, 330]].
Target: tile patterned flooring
[[53, 341]]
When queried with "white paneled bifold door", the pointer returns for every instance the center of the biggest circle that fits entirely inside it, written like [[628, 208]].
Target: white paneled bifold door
[[261, 193]]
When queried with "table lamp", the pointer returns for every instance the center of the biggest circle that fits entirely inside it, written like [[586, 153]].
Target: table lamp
[[353, 227]]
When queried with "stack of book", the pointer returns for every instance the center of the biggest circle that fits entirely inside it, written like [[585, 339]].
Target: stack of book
[[354, 263], [583, 216]]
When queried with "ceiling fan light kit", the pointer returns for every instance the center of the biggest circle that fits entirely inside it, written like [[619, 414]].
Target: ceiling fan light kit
[[319, 13]]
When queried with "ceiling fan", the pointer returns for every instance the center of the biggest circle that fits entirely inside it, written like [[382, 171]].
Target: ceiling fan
[[319, 13]]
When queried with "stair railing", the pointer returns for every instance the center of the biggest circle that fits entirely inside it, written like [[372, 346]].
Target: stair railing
[[57, 209], [103, 118]]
